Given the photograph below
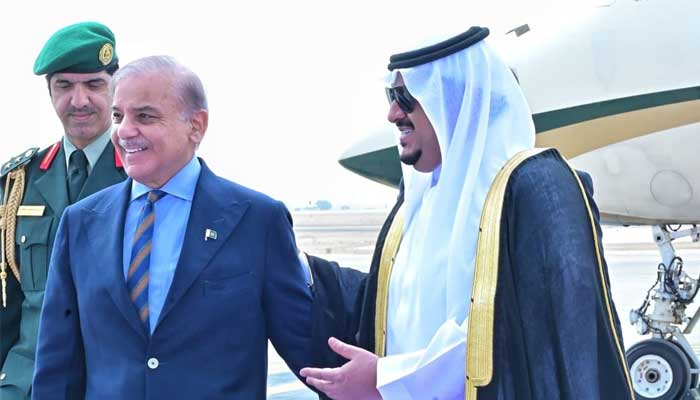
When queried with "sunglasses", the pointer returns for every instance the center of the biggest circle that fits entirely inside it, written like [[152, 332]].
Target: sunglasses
[[402, 97]]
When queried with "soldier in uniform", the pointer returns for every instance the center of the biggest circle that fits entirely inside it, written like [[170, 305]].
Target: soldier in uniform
[[78, 62]]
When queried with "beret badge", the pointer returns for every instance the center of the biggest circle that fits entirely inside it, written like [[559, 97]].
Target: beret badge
[[106, 53]]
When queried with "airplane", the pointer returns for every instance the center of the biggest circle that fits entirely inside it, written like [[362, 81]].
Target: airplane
[[617, 91]]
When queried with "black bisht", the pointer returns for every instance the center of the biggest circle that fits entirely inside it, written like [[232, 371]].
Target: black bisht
[[555, 335]]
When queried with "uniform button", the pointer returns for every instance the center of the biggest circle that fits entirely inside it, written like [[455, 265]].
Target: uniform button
[[2, 376], [23, 239], [152, 363]]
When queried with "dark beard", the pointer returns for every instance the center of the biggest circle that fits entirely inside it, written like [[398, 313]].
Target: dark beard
[[412, 158]]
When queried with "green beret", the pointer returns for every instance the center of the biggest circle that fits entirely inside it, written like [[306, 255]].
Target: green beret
[[81, 48]]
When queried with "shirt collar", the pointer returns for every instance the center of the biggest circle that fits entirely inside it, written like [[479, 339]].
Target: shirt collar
[[93, 151], [182, 185]]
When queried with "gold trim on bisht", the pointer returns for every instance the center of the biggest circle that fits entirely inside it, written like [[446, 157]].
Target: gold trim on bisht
[[8, 223], [386, 263], [611, 318], [481, 316], [480, 333]]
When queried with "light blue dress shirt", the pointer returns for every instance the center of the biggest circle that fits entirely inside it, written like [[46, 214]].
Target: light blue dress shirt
[[172, 213]]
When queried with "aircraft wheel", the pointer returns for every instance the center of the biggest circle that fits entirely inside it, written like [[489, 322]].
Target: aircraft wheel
[[694, 378], [659, 370]]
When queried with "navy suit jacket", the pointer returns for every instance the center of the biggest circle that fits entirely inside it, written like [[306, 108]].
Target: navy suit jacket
[[228, 296]]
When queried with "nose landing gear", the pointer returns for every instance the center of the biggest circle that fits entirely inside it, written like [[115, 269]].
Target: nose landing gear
[[666, 367]]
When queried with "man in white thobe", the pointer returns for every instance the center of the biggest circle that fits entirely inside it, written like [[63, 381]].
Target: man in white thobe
[[462, 120]]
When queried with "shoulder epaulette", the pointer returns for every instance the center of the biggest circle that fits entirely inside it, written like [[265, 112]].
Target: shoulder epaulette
[[18, 161]]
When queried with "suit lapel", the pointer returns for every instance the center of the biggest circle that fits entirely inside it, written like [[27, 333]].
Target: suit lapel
[[212, 208], [105, 229], [52, 184], [103, 174]]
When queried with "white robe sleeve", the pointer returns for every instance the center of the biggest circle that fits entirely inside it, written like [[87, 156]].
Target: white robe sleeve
[[438, 371]]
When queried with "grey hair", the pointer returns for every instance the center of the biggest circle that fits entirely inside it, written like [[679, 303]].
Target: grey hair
[[188, 86]]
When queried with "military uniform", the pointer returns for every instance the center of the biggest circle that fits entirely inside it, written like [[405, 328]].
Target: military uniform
[[46, 190], [33, 193]]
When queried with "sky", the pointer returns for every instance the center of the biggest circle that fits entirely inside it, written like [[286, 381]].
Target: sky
[[290, 84]]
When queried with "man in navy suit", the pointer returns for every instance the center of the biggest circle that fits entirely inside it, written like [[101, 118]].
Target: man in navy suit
[[168, 285]]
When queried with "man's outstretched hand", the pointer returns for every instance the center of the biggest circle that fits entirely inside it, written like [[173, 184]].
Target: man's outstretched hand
[[356, 380]]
